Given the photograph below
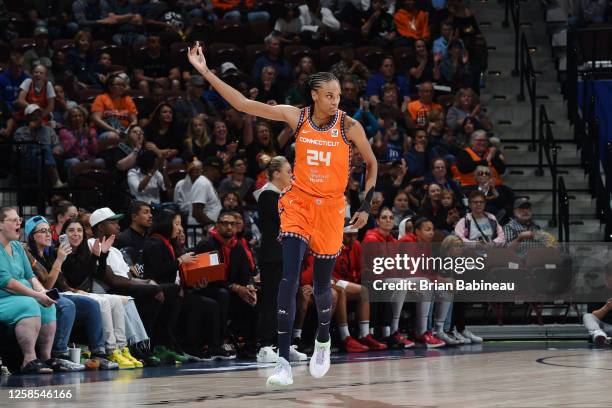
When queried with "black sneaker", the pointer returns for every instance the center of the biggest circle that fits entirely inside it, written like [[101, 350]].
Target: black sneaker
[[225, 352], [59, 365], [302, 346], [248, 351]]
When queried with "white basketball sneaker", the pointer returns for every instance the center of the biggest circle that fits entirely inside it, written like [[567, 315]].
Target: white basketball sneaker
[[319, 362], [267, 355], [295, 355], [282, 373], [473, 338]]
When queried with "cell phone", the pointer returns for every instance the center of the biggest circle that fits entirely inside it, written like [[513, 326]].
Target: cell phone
[[63, 239], [53, 294]]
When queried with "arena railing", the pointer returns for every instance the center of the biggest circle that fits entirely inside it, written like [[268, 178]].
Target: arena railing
[[513, 8], [564, 221], [528, 79], [548, 148]]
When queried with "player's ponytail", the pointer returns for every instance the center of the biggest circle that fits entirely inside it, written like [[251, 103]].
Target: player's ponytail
[[314, 82]]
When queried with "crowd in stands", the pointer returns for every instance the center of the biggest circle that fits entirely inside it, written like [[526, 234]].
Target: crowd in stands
[[106, 91]]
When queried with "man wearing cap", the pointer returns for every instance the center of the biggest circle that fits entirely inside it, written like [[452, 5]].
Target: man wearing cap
[[205, 203], [41, 54], [193, 104], [521, 232], [152, 299], [36, 131]]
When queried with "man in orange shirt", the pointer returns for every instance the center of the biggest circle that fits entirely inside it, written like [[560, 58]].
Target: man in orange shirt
[[410, 22], [419, 109]]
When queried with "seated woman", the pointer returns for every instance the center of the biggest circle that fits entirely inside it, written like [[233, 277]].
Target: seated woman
[[79, 142], [79, 270], [440, 175], [479, 152], [197, 138], [70, 306], [467, 104], [479, 226], [24, 306], [499, 199], [146, 181], [114, 111], [164, 134], [39, 91]]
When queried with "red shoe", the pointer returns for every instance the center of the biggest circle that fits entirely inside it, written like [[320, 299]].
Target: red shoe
[[372, 343], [429, 340], [400, 339], [353, 346]]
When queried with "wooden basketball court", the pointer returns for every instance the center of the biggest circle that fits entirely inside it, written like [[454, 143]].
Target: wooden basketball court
[[501, 374]]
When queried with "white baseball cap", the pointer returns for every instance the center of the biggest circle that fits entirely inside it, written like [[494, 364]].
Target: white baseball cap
[[226, 66], [103, 214], [31, 108]]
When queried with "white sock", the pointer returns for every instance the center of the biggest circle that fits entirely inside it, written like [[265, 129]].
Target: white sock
[[386, 331], [364, 328], [394, 324], [371, 331], [297, 333], [344, 332]]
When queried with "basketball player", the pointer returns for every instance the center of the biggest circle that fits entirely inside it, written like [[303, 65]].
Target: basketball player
[[312, 209]]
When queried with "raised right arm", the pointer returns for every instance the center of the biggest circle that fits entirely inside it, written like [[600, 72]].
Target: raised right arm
[[282, 113]]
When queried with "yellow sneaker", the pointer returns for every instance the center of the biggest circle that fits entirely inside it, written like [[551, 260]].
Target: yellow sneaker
[[124, 363], [126, 353]]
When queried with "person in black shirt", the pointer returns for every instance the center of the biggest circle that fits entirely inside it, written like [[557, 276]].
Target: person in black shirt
[[270, 253], [243, 295], [164, 133], [153, 65], [135, 236], [220, 146], [378, 26]]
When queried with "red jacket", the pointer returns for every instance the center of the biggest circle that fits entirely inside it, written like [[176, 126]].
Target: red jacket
[[348, 264], [419, 249], [374, 235], [307, 266]]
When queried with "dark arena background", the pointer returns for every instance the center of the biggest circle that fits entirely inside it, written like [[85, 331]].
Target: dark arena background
[[140, 263]]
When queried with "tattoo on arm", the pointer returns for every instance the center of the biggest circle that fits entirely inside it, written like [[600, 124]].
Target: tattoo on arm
[[348, 124]]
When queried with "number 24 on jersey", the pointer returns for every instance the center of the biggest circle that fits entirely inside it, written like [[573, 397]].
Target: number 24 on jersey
[[318, 158]]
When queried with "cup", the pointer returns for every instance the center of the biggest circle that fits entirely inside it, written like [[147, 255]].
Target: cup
[[75, 354]]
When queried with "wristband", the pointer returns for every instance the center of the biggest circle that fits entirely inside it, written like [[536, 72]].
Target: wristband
[[367, 202]]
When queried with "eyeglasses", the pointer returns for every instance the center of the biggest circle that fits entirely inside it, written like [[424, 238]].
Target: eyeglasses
[[483, 173], [43, 231], [17, 220]]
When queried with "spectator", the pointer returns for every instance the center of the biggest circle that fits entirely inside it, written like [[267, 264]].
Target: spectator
[[419, 155], [272, 57], [92, 15], [423, 67], [70, 306], [597, 321], [295, 94], [478, 225], [161, 266], [220, 146], [7, 123], [379, 27], [466, 104], [237, 182], [348, 66], [288, 25], [12, 78], [205, 205], [23, 303], [79, 143], [114, 111], [270, 254], [521, 232], [455, 67], [228, 7], [401, 208], [62, 211], [60, 72], [441, 44], [439, 175], [153, 65], [389, 107], [79, 270], [62, 106], [499, 198], [182, 189], [156, 302], [141, 221], [478, 154], [305, 64], [419, 109], [130, 24], [411, 23], [121, 159], [36, 131], [268, 89], [41, 54], [164, 135], [38, 91], [239, 271], [318, 22], [80, 60], [264, 143], [197, 138], [192, 104], [149, 178], [102, 69], [386, 75], [350, 101]]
